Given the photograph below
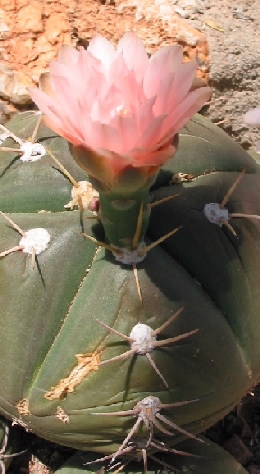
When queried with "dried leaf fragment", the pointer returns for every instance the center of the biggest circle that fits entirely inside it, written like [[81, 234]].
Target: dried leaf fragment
[[17, 421], [23, 407], [62, 416], [182, 178], [214, 26], [84, 196], [87, 363]]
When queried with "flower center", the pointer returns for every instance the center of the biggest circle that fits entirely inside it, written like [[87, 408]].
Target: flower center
[[121, 111]]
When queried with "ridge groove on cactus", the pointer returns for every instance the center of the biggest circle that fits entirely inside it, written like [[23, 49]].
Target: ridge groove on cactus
[[58, 366]]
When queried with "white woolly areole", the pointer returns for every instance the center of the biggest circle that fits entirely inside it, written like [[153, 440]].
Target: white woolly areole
[[148, 406], [214, 214], [35, 240], [3, 137], [128, 256], [143, 338], [32, 151]]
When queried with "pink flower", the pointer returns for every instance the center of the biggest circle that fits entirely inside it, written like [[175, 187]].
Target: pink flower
[[252, 117], [119, 109]]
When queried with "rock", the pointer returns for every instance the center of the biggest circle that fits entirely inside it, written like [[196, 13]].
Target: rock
[[233, 32], [157, 24], [7, 111], [254, 469], [32, 33], [235, 79], [13, 86]]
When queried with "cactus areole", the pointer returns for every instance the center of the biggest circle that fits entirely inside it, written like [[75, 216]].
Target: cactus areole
[[88, 341]]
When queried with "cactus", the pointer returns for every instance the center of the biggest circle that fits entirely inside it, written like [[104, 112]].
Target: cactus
[[120, 359], [56, 376]]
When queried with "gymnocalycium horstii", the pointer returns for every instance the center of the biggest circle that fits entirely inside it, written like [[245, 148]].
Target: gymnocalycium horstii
[[129, 263]]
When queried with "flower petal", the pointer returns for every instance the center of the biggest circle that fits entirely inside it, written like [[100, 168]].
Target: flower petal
[[127, 130], [53, 117], [118, 70], [102, 49], [175, 87], [120, 109], [134, 54], [67, 99], [101, 164], [101, 135], [186, 109], [155, 158], [153, 133], [131, 91], [164, 62], [94, 86], [181, 85], [68, 55], [46, 104], [143, 115]]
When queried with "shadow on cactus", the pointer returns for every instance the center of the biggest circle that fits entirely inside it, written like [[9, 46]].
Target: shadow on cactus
[[134, 327]]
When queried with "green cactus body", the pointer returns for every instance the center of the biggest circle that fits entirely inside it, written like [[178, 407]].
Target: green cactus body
[[52, 345], [121, 215]]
